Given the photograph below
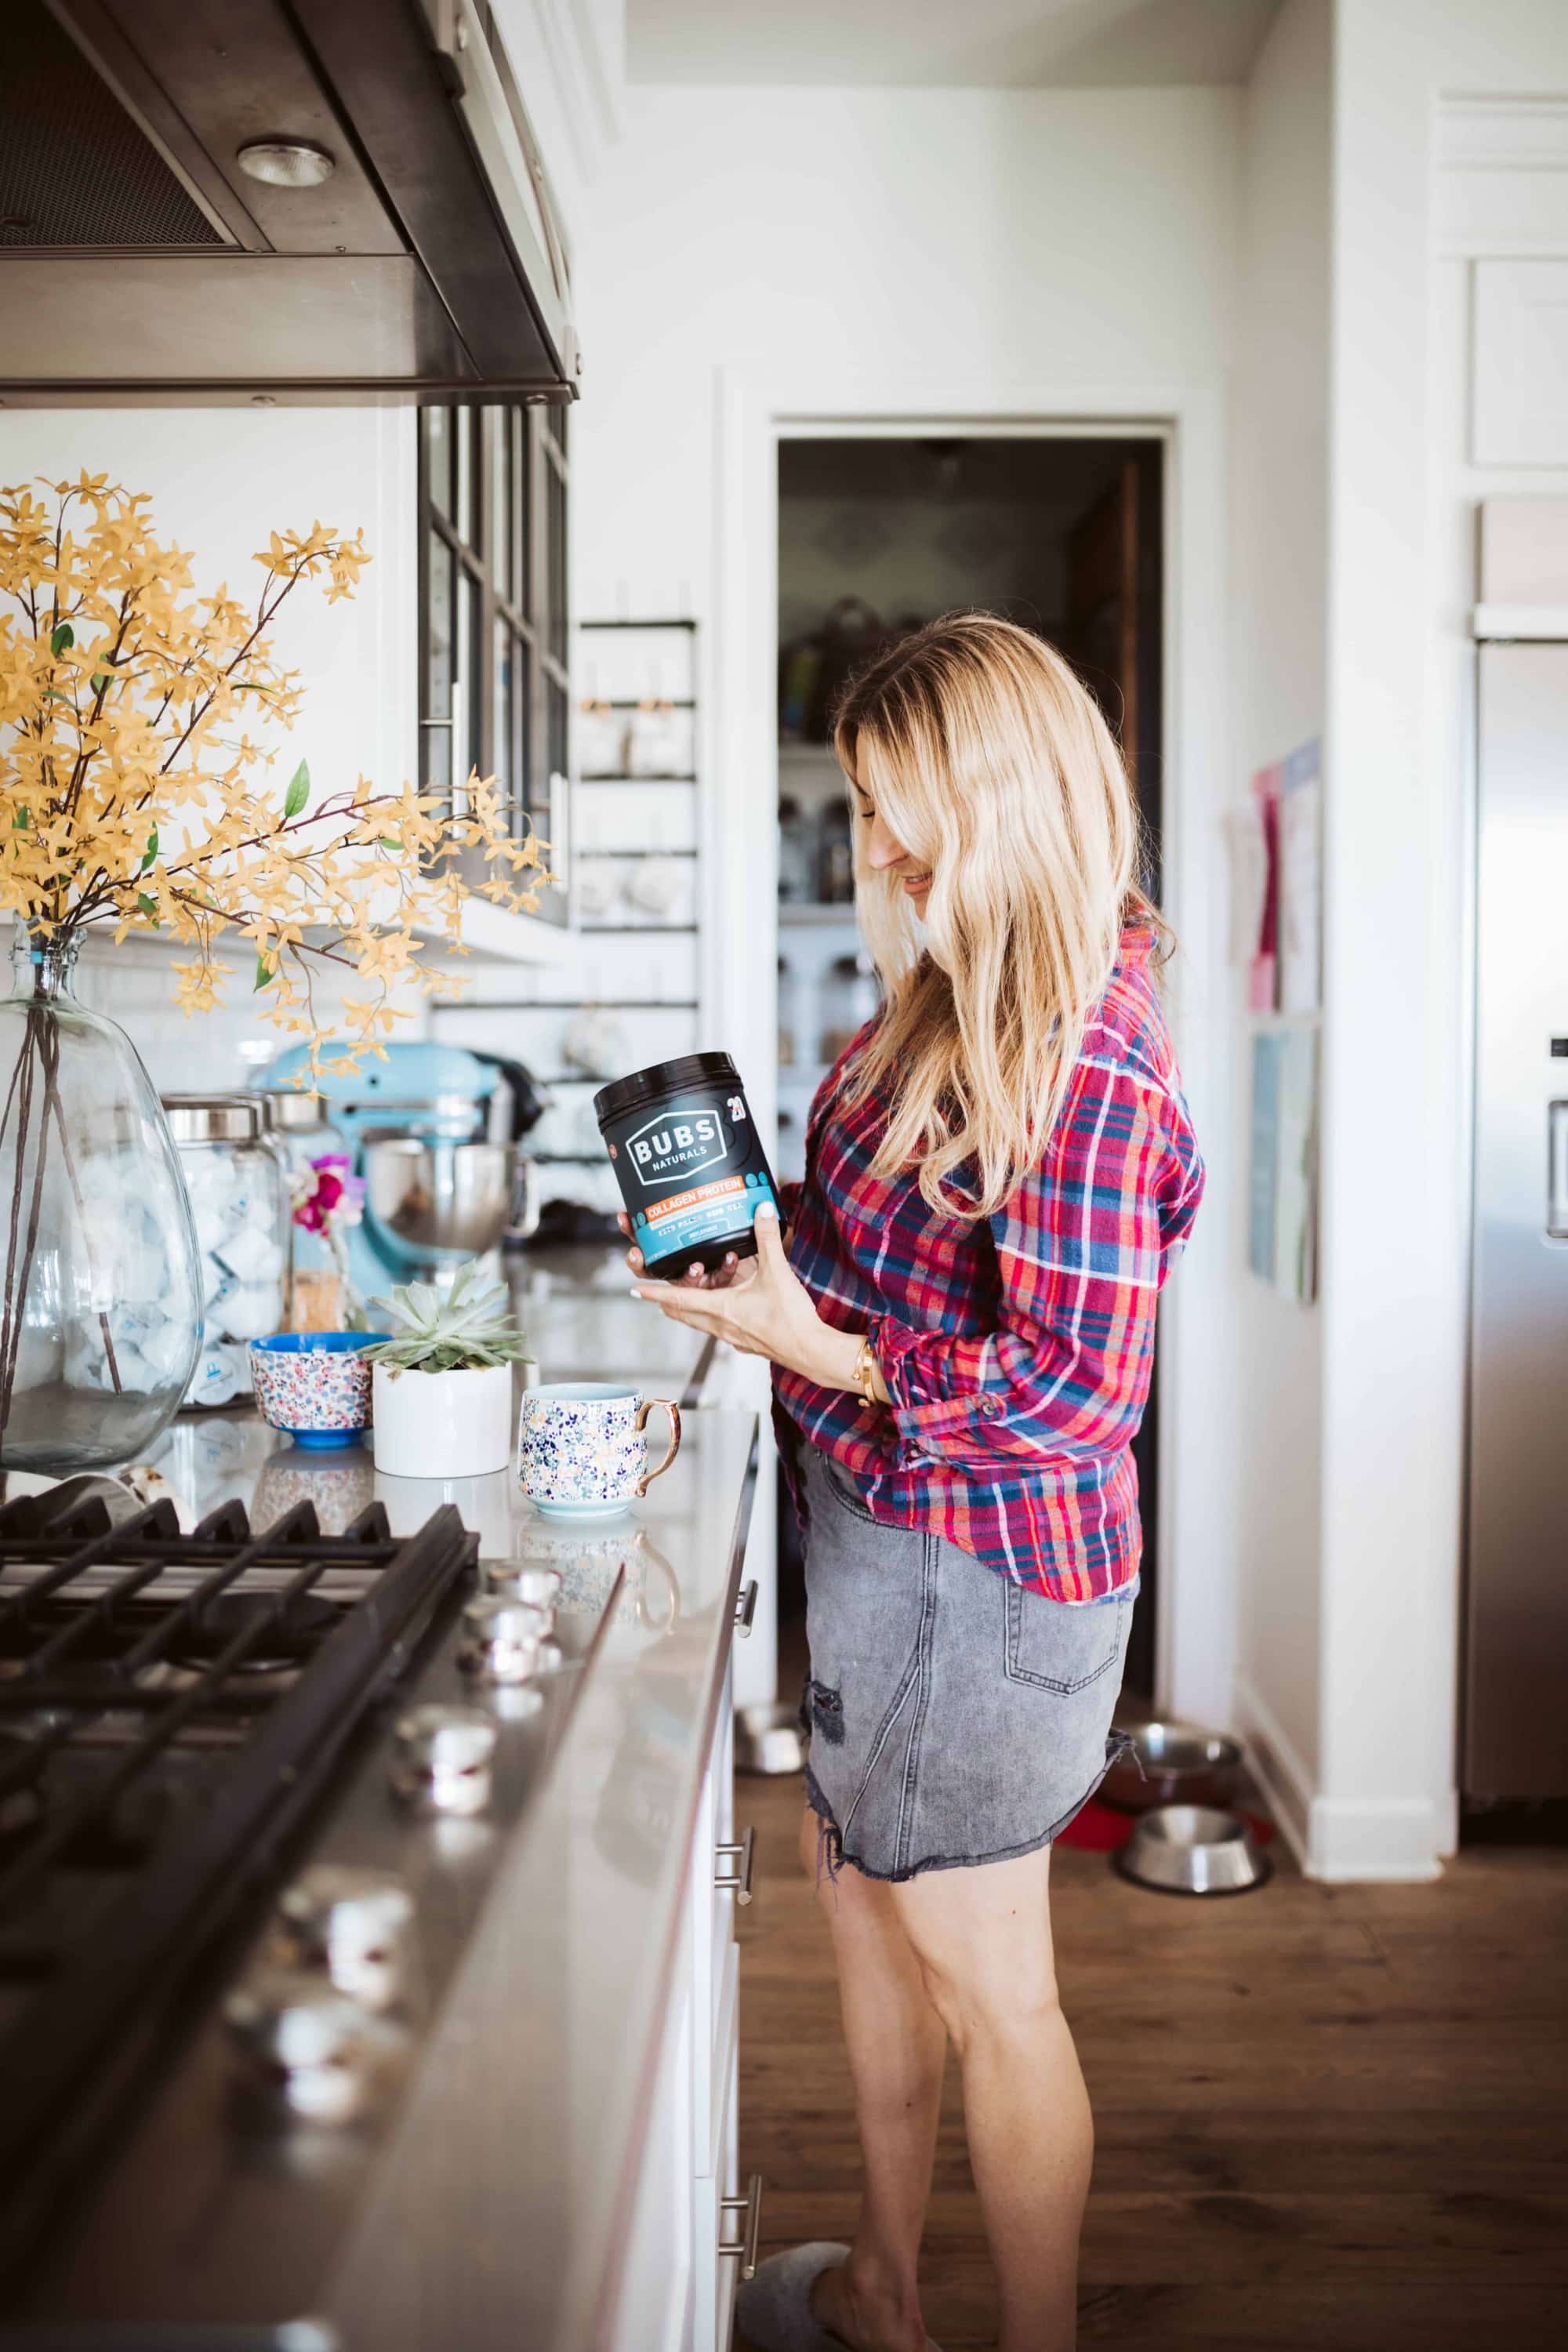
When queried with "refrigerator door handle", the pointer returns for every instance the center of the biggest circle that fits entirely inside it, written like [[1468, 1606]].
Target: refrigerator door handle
[[1557, 1172]]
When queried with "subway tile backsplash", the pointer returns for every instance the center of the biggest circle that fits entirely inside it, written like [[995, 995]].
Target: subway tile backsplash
[[216, 1052]]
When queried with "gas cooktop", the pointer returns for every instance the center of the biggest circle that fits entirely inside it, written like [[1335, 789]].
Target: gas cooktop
[[222, 1756]]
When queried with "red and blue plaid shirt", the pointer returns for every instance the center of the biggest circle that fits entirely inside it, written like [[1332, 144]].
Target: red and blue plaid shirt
[[1017, 1349]]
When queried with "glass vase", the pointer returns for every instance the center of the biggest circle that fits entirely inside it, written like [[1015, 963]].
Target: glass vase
[[101, 1315]]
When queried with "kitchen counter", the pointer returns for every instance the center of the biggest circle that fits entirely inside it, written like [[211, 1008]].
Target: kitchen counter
[[477, 2235], [582, 1324], [506, 2199]]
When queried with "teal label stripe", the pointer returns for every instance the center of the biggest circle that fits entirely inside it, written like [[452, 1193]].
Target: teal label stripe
[[708, 1221]]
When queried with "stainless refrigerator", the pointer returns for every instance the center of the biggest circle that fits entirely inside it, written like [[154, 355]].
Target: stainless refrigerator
[[1514, 1720]]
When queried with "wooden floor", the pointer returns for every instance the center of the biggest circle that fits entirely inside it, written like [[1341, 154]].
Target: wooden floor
[[1334, 2118]]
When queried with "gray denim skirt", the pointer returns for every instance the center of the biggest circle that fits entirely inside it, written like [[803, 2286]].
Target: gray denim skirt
[[953, 1717]]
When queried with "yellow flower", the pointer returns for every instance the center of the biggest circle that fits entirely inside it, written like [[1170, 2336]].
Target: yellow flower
[[135, 795]]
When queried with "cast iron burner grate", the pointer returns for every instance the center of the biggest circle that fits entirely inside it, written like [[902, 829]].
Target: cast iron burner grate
[[170, 1707]]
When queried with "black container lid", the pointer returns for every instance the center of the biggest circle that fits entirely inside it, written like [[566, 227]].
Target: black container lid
[[661, 1078]]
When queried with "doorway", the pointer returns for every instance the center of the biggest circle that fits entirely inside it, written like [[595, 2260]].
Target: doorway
[[1060, 533]]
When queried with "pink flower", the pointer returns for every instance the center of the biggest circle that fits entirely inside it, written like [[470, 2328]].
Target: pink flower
[[331, 1196]]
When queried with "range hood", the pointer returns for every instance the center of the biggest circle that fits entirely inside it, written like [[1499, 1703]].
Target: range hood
[[303, 201]]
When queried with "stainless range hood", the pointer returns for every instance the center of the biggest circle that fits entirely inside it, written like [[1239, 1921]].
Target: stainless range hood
[[301, 201]]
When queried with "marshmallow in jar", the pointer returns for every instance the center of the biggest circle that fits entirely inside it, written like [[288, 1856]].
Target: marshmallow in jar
[[239, 1199]]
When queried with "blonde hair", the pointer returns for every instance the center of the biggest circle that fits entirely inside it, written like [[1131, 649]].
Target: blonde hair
[[991, 763]]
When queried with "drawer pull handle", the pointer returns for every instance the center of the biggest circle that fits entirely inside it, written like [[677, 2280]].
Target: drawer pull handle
[[746, 1606], [751, 2207], [739, 1882]]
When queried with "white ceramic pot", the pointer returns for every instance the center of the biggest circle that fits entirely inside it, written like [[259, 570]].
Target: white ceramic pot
[[442, 1424]]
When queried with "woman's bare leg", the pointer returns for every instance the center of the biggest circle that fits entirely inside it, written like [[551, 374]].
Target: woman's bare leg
[[897, 2046], [982, 1939]]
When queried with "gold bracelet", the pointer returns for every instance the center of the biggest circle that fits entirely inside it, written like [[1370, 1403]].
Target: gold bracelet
[[864, 1376]]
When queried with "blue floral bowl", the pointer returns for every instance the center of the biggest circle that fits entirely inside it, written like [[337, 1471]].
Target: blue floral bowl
[[313, 1385]]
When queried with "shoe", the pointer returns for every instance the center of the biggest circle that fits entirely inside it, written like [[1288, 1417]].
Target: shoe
[[774, 2309]]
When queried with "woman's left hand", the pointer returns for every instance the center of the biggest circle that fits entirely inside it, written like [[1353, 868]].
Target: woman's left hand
[[765, 1310]]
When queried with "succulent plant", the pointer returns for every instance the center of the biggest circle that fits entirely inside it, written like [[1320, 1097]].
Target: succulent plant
[[467, 1330]]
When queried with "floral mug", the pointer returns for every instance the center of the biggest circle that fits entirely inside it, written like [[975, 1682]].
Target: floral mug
[[582, 1451]]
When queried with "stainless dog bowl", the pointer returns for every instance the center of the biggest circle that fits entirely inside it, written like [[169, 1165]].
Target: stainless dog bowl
[[1183, 1765], [770, 1739], [1193, 1850], [432, 1200]]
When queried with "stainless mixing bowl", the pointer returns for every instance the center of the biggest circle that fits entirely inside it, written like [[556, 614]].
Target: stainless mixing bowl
[[1193, 1850], [432, 1200]]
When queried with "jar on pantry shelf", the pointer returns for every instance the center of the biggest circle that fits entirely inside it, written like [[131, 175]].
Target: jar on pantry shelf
[[789, 1014], [797, 853], [835, 855], [849, 996], [298, 1131], [239, 1198]]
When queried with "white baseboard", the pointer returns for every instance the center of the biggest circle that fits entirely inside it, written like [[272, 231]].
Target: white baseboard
[[1339, 1838], [1381, 1838], [1275, 1765]]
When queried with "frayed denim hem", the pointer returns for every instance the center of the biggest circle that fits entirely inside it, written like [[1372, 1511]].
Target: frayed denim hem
[[832, 1854]]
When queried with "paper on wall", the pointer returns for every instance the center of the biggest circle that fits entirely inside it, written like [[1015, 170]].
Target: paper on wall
[[1262, 992], [1296, 1166], [1247, 858], [1263, 1178], [1300, 888]]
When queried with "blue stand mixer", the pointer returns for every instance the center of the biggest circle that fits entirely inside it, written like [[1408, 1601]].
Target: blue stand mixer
[[433, 1130]]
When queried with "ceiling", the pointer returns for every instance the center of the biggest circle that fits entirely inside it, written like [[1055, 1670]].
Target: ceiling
[[963, 44]]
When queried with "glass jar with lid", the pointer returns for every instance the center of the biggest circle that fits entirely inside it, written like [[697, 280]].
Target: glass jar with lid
[[239, 1198], [847, 998], [790, 1039], [300, 1133]]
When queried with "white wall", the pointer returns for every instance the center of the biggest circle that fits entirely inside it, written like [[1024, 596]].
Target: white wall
[[1395, 1157], [936, 237], [1278, 486]]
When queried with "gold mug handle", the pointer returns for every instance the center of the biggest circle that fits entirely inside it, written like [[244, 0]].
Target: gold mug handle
[[645, 1481]]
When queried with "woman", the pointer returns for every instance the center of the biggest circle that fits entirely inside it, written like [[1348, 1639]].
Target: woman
[[1000, 1171]]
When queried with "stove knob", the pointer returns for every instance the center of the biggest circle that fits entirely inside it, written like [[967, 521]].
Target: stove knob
[[510, 1580], [354, 1924], [442, 1757], [308, 2040], [506, 1641]]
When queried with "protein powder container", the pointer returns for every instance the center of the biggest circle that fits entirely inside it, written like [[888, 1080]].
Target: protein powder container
[[690, 1164]]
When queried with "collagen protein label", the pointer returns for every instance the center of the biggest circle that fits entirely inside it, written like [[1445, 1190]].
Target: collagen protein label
[[692, 1173]]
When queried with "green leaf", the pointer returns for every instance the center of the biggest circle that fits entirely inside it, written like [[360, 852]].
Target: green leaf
[[298, 791], [388, 841], [101, 679], [148, 904], [151, 853], [265, 974], [20, 822], [61, 638], [53, 694]]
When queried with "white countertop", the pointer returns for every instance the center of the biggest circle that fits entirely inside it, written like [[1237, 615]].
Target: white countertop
[[576, 1952], [495, 2214]]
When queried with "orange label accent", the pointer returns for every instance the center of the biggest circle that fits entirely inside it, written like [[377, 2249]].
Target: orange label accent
[[678, 1201]]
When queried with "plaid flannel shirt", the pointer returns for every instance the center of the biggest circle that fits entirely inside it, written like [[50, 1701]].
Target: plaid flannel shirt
[[1018, 1350]]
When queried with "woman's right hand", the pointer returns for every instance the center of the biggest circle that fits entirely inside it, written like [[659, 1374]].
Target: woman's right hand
[[696, 1277]]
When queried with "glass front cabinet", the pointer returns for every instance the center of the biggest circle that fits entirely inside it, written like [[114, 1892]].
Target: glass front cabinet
[[492, 609]]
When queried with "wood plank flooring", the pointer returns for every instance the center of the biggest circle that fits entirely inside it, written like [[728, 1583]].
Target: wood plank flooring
[[1334, 2118]]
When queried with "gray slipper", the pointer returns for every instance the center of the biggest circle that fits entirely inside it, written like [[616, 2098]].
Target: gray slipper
[[774, 2309]]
